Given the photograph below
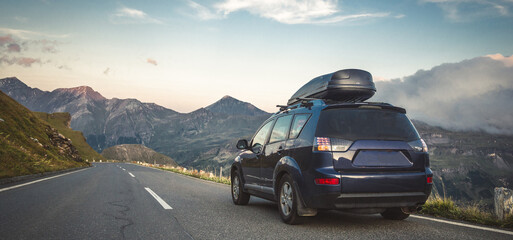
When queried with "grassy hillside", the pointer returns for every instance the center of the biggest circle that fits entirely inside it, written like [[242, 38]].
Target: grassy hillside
[[28, 145], [136, 153], [61, 122]]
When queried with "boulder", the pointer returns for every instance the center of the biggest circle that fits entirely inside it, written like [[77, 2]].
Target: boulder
[[503, 202]]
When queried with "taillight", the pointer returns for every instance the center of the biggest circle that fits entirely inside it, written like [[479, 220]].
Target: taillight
[[322, 144], [327, 181], [429, 180], [419, 145], [331, 144]]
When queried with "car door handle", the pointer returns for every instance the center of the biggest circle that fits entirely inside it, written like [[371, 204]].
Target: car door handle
[[280, 149]]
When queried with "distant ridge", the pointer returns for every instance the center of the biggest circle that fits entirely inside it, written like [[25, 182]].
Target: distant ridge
[[231, 106], [136, 153], [82, 91]]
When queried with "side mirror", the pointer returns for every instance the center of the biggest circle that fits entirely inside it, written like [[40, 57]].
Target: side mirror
[[242, 144]]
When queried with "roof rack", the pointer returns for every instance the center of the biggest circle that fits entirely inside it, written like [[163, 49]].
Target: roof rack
[[300, 102]]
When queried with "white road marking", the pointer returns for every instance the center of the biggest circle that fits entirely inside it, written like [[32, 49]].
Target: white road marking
[[464, 225], [162, 202], [40, 180], [131, 174]]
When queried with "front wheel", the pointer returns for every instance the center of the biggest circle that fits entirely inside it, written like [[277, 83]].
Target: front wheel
[[239, 197], [287, 204], [394, 214]]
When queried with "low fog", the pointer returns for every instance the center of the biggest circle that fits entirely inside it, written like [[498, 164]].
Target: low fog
[[475, 94]]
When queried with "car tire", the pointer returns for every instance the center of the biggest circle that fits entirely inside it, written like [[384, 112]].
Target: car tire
[[239, 197], [394, 214], [287, 201]]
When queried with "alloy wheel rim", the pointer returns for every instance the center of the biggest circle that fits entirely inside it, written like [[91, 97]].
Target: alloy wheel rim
[[235, 187], [286, 199]]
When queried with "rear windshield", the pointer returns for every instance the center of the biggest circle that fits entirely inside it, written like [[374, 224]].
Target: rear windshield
[[360, 124]]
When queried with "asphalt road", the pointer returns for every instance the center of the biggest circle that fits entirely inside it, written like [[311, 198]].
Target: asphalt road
[[111, 201]]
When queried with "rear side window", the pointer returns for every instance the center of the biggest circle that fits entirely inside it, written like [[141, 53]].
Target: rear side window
[[281, 129], [360, 124], [298, 124]]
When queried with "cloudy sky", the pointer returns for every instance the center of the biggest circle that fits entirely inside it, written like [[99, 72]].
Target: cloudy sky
[[186, 54]]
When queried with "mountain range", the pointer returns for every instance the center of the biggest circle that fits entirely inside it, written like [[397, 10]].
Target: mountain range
[[467, 164], [108, 122]]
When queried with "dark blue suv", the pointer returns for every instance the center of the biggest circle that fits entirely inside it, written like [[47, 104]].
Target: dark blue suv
[[315, 154]]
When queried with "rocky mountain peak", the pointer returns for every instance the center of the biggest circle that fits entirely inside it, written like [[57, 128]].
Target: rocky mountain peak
[[84, 91], [232, 106], [11, 83]]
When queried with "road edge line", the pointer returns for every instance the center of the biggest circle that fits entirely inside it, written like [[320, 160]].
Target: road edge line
[[204, 180], [40, 180], [463, 224]]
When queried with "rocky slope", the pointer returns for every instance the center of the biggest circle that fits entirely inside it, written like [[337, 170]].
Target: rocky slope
[[28, 145], [137, 153], [61, 122]]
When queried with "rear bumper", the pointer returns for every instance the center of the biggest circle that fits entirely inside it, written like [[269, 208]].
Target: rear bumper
[[367, 200], [366, 190], [380, 200]]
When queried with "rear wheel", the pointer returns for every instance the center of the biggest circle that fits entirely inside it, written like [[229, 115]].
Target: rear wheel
[[394, 214], [287, 202], [239, 197]]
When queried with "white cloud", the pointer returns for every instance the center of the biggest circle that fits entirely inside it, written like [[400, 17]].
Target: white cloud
[[354, 17], [283, 11], [130, 12], [468, 10], [127, 15], [26, 34], [508, 61], [475, 94], [203, 12]]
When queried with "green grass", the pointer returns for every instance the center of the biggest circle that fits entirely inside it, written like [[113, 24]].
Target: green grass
[[60, 122], [447, 208], [25, 147], [197, 175]]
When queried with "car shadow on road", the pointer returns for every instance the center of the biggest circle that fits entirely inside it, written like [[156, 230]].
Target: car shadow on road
[[331, 218]]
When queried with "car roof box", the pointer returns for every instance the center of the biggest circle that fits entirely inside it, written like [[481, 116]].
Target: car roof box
[[348, 85]]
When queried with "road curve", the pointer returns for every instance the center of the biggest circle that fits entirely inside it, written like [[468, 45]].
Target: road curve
[[126, 201]]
